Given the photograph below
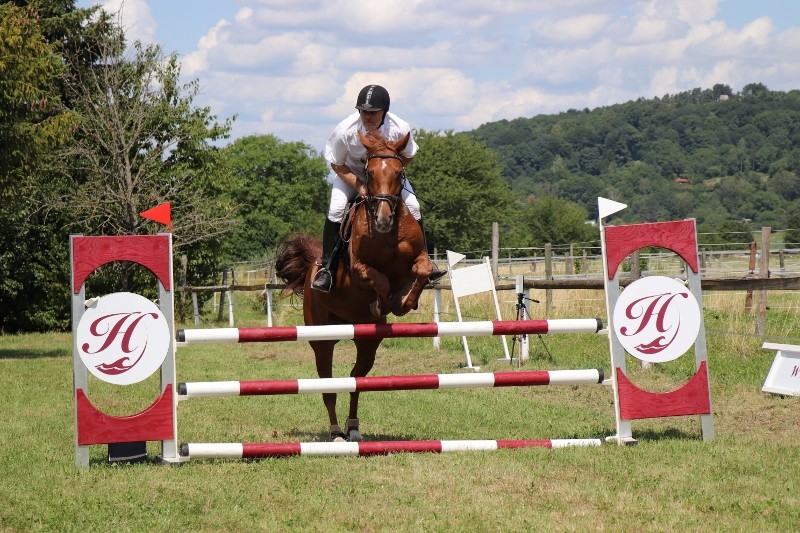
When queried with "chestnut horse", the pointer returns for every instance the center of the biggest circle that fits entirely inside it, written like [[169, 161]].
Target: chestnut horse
[[383, 270]]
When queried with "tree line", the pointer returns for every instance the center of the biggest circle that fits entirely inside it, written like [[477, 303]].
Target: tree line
[[729, 159], [96, 129]]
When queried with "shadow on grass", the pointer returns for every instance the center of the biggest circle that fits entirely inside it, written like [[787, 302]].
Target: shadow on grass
[[25, 353], [653, 435]]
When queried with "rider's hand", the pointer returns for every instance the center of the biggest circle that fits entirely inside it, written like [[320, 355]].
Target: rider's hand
[[362, 190]]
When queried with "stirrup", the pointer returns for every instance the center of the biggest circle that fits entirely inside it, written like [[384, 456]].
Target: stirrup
[[436, 276], [323, 281], [351, 430]]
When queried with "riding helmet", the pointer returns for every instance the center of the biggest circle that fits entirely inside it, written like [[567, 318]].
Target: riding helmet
[[373, 98]]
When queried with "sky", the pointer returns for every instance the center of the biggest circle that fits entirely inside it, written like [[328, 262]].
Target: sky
[[293, 68]]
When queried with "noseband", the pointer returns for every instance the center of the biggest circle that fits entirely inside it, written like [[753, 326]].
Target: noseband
[[373, 200]]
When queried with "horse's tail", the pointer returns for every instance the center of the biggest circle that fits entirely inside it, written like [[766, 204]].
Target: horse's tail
[[296, 253]]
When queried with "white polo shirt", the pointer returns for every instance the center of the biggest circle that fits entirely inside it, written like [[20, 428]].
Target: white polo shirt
[[344, 145]]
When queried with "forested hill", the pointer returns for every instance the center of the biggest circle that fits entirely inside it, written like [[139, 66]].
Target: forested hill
[[714, 154]]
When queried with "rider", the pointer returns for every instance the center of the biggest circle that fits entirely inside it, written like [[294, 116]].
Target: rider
[[347, 157]]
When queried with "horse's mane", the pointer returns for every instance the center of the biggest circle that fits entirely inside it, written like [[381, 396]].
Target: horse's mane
[[377, 142]]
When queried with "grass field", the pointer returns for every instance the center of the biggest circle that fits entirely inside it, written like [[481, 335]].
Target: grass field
[[745, 480]]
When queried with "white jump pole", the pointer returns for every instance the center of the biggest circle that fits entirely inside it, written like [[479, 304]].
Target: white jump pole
[[390, 383], [382, 331], [221, 450]]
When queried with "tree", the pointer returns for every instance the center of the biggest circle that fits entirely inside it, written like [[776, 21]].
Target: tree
[[459, 185], [279, 187], [785, 184], [131, 139], [792, 235], [557, 221], [140, 141], [32, 124], [31, 118]]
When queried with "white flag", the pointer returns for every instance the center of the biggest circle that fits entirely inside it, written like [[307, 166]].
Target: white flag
[[606, 207], [454, 257]]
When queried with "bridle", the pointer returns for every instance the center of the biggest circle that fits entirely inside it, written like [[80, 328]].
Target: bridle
[[374, 200]]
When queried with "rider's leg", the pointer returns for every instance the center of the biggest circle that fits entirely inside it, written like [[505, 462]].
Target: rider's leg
[[323, 281], [341, 194]]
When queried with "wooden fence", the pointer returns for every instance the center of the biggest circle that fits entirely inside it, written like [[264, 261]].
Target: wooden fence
[[744, 271]]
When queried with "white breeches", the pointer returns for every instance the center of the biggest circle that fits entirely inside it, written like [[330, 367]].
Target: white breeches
[[342, 193]]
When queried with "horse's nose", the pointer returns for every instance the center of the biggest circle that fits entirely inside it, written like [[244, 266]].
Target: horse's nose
[[383, 218], [383, 224]]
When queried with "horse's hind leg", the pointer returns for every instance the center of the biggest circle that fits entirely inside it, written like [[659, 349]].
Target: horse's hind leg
[[365, 359], [323, 355]]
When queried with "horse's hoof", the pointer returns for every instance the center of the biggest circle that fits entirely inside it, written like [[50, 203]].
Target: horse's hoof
[[337, 435], [351, 429]]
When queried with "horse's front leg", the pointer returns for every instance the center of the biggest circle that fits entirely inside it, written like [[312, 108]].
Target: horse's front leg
[[421, 270], [323, 355], [365, 359], [378, 282]]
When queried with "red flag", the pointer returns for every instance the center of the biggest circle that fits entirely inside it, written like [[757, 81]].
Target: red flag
[[160, 213]]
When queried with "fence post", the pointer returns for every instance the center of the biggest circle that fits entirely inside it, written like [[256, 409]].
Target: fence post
[[748, 299], [548, 274], [222, 294], [568, 261], [495, 248], [184, 273], [763, 272], [195, 309], [636, 270], [268, 306]]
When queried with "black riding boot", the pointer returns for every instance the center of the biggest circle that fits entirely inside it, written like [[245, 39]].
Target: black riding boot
[[323, 281], [437, 274]]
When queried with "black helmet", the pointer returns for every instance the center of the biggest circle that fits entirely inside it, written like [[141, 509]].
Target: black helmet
[[373, 98]]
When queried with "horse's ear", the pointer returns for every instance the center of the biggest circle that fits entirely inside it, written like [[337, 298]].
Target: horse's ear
[[400, 145]]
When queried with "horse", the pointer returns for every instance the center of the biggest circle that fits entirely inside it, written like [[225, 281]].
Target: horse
[[383, 270]]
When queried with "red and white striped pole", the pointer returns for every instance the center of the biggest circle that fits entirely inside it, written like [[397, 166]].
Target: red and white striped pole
[[383, 331], [265, 450], [389, 383]]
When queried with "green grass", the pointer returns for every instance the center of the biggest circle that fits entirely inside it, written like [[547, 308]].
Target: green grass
[[745, 480]]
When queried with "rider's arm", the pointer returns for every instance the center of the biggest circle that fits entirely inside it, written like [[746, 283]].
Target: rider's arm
[[347, 176]]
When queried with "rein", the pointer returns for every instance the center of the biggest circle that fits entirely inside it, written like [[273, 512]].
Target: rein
[[373, 200]]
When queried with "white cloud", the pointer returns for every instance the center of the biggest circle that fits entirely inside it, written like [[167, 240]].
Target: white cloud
[[294, 68], [569, 30], [135, 17], [198, 60]]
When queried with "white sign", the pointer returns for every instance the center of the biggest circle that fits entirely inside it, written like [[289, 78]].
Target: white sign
[[784, 375], [471, 280], [123, 338], [656, 319]]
